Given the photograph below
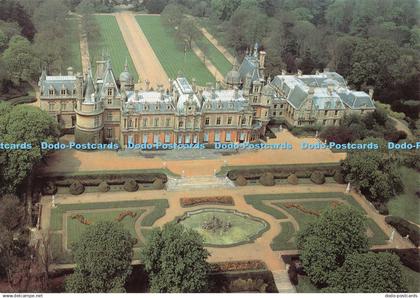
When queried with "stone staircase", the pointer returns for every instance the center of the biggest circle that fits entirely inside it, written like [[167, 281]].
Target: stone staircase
[[282, 281], [198, 182]]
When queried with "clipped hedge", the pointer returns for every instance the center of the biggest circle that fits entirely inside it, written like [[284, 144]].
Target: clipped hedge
[[267, 179], [339, 177], [158, 184], [49, 188], [405, 228], [103, 187], [293, 179], [281, 171], [241, 181], [318, 177], [76, 188], [237, 266], [131, 185]]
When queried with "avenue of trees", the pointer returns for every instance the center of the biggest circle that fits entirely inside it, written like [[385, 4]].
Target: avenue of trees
[[371, 43], [334, 254]]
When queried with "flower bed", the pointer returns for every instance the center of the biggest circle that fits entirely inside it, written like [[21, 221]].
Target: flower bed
[[219, 200], [237, 266]]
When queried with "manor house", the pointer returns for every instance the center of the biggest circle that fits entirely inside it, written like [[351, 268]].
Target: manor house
[[103, 108]]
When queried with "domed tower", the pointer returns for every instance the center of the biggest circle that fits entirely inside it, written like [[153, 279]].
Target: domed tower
[[89, 114], [126, 79], [233, 78]]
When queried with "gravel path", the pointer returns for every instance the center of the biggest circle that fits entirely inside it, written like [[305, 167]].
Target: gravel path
[[144, 58]]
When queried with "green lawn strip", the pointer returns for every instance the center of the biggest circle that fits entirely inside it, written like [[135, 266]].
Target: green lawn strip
[[120, 172], [73, 41], [407, 204], [76, 228], [171, 53], [220, 36], [305, 286], [283, 240], [379, 237], [56, 221], [112, 42], [215, 56]]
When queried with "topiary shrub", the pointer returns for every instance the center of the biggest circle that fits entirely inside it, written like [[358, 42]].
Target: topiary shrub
[[158, 184], [49, 188], [293, 179], [267, 179], [131, 185], [76, 188], [317, 177], [339, 177], [241, 181], [103, 187]]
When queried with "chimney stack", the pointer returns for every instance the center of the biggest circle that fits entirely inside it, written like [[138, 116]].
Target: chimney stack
[[299, 72], [371, 93], [262, 59], [283, 72]]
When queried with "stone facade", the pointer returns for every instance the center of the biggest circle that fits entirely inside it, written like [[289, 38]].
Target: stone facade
[[102, 108]]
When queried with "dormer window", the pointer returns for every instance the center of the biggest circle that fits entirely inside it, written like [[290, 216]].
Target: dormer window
[[145, 107], [168, 107], [110, 91], [51, 92], [63, 92]]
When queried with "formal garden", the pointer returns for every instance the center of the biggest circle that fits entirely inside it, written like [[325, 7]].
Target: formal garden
[[295, 211], [69, 221]]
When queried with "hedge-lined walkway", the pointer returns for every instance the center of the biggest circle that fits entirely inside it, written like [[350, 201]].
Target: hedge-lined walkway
[[260, 249], [74, 161]]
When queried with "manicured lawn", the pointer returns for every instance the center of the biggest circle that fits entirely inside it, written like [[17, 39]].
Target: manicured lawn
[[75, 228], [95, 212], [171, 53], [73, 41], [284, 240], [215, 56], [407, 205], [305, 286], [112, 42]]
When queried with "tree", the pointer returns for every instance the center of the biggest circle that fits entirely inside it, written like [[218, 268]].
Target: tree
[[374, 172], [369, 273], [188, 32], [172, 15], [155, 6], [325, 243], [103, 259], [175, 260], [11, 212], [23, 125], [223, 9], [19, 59]]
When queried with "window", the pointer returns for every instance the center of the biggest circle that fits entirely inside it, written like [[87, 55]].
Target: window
[[51, 106], [109, 133], [130, 123], [228, 139], [63, 106], [255, 99], [206, 137], [109, 116], [156, 138], [96, 121], [336, 112], [125, 122], [266, 113], [168, 122], [145, 138], [181, 124], [217, 137], [63, 92], [229, 120], [144, 122], [274, 113], [275, 106], [243, 121], [335, 121], [281, 106], [51, 92], [167, 137], [207, 120], [218, 121], [110, 100], [189, 123], [324, 122], [188, 139], [325, 113], [180, 139], [156, 122], [195, 139], [110, 91]]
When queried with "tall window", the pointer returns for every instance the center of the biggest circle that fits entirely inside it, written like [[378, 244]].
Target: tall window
[[168, 122], [207, 121], [229, 121], [206, 137], [63, 91], [63, 106], [109, 116], [144, 122], [181, 124], [110, 91], [243, 121], [109, 133], [130, 123], [110, 100], [156, 122], [51, 106], [218, 120], [96, 121], [51, 92], [228, 137]]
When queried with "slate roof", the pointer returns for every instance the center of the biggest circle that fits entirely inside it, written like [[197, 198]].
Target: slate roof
[[224, 100], [250, 66], [57, 83], [355, 99]]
